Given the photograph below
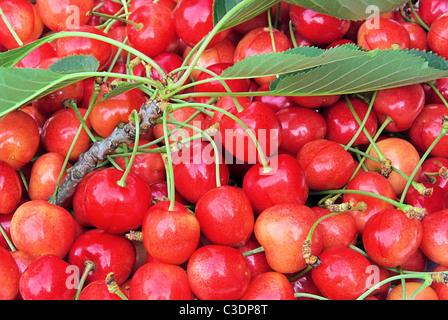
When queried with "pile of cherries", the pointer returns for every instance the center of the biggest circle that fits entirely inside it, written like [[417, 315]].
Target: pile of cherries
[[354, 204]]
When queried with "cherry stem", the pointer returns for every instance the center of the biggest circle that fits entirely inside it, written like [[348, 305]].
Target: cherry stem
[[89, 266], [253, 251], [138, 26], [8, 241], [135, 117], [168, 160], [309, 295], [425, 155], [113, 287], [433, 87], [10, 28], [419, 20]]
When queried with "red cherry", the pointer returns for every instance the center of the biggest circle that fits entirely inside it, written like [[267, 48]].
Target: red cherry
[[35, 57], [97, 290], [168, 61], [426, 293], [114, 208], [264, 125], [194, 20], [286, 183], [276, 103], [431, 10], [19, 138], [47, 278], [256, 261], [228, 104], [313, 102], [326, 164], [258, 41], [281, 230], [270, 285], [343, 274], [435, 239], [45, 175], [39, 227], [107, 114], [300, 126], [102, 51], [148, 166], [9, 272], [402, 104], [23, 18], [60, 130], [417, 36], [5, 223], [108, 252], [337, 231], [59, 15], [159, 191], [426, 127], [79, 211], [441, 86], [170, 236], [226, 216], [107, 7], [305, 284], [438, 200], [388, 33], [342, 124], [390, 237], [160, 281], [440, 288], [236, 85], [434, 165], [10, 189], [196, 165], [372, 182], [156, 31], [317, 27], [217, 272]]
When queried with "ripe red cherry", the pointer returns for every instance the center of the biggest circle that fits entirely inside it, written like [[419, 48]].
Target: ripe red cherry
[[300, 126], [168, 61], [60, 130], [226, 216], [317, 27], [270, 285], [285, 183], [59, 15], [196, 165], [39, 227], [10, 189], [326, 164], [114, 208], [10, 275], [106, 7], [19, 138], [170, 236], [434, 165], [257, 261], [44, 176], [281, 230], [35, 57], [217, 272], [159, 191], [236, 85], [342, 124], [304, 284], [276, 103], [431, 10], [389, 33], [24, 20], [102, 51], [343, 274], [390, 237], [438, 200], [108, 252], [160, 281], [313, 102], [258, 41], [426, 127], [435, 239], [264, 125], [157, 31], [337, 231], [372, 182], [107, 114], [427, 293], [442, 86], [97, 290], [440, 288], [194, 20], [402, 104], [417, 35], [46, 278]]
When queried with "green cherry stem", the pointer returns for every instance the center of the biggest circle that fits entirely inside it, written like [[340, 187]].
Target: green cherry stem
[[88, 266], [136, 119], [112, 286], [309, 295], [419, 20], [168, 160], [253, 251], [8, 241], [10, 28]]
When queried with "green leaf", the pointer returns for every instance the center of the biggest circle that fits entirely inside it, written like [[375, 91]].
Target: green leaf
[[292, 60], [76, 63], [349, 9], [249, 9], [11, 57], [374, 70]]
